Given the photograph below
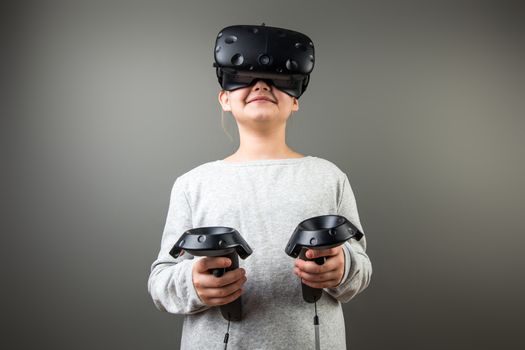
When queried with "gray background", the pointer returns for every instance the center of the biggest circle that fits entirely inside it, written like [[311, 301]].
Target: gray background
[[421, 103]]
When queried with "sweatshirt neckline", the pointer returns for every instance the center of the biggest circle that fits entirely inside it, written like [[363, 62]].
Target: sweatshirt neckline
[[265, 161]]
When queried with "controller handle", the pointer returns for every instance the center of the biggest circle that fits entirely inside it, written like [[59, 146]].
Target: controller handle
[[319, 232], [217, 241], [233, 310], [311, 294]]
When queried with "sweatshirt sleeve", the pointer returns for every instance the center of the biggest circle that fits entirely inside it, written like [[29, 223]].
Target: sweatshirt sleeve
[[170, 282], [358, 268]]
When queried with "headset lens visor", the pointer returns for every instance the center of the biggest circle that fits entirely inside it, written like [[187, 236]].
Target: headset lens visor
[[290, 84]]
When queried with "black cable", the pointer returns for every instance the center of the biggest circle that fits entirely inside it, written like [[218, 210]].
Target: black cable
[[226, 336], [316, 327]]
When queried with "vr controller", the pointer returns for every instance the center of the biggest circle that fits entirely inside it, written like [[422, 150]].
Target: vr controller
[[216, 241], [319, 232], [282, 57]]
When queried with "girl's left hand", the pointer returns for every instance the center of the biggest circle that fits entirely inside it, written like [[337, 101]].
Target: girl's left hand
[[328, 275]]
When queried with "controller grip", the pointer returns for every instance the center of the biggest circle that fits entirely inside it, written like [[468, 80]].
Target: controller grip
[[310, 294], [231, 311]]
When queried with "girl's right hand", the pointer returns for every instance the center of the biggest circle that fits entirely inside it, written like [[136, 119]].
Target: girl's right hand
[[215, 291]]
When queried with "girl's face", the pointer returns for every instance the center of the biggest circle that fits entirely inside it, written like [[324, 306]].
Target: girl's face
[[258, 102]]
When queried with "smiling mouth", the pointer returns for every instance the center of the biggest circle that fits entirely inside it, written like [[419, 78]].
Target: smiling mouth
[[261, 100]]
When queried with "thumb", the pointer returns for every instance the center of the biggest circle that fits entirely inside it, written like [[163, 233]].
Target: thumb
[[311, 254], [207, 263], [317, 253]]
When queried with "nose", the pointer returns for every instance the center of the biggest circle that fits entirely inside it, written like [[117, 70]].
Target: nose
[[261, 84]]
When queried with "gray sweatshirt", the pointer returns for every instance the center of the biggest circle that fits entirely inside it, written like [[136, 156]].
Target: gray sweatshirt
[[264, 200]]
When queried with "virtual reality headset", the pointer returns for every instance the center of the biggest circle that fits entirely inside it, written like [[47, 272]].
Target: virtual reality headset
[[281, 57]]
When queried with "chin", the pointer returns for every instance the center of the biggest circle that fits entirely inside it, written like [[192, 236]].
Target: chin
[[259, 117]]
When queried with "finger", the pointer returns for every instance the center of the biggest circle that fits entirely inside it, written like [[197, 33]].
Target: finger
[[223, 292], [207, 263], [316, 253], [312, 267], [210, 281], [318, 278], [327, 284], [226, 300], [331, 263]]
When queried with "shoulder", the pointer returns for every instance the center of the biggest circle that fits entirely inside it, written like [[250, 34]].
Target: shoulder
[[195, 174], [328, 167]]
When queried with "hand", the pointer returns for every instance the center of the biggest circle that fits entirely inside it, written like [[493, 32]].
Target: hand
[[215, 291], [328, 275]]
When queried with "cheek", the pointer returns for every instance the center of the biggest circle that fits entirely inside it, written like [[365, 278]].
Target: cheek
[[285, 99], [238, 99], [239, 93], [238, 105]]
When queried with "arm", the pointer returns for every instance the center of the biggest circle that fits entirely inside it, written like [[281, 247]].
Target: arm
[[170, 281], [358, 268]]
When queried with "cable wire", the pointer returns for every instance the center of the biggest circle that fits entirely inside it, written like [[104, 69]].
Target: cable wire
[[316, 327], [226, 336]]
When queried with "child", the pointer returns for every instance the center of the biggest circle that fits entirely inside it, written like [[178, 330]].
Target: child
[[263, 190]]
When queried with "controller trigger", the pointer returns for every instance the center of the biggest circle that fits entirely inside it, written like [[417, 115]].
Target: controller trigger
[[320, 261], [218, 272]]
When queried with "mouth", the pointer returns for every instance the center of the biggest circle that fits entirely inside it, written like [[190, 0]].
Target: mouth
[[261, 99]]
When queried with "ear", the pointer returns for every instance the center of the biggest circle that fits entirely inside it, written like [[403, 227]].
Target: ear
[[295, 104], [224, 100]]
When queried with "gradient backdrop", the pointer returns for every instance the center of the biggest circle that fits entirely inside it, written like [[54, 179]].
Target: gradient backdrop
[[421, 103]]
